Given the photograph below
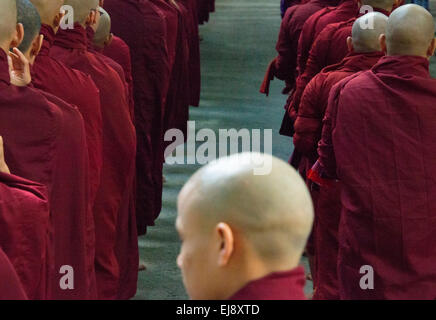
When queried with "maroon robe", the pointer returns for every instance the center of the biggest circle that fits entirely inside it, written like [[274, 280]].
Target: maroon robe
[[151, 76], [70, 47], [378, 139], [119, 51], [194, 52], [308, 128], [75, 87], [10, 285], [24, 232], [288, 285], [46, 143]]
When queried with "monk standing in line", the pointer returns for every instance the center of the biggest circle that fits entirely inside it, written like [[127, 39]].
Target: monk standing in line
[[248, 245], [151, 76], [365, 52], [70, 47], [378, 140], [70, 85], [46, 144]]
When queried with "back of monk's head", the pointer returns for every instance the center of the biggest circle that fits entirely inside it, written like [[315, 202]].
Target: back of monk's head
[[48, 9], [366, 32], [8, 22], [379, 4], [103, 32], [410, 31], [82, 9], [29, 17], [237, 226]]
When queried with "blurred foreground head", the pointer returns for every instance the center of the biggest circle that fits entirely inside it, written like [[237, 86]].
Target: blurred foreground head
[[237, 227]]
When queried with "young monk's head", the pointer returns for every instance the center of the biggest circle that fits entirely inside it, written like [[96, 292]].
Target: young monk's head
[[366, 33], [11, 33], [49, 11], [85, 11], [237, 227], [386, 5], [103, 36], [410, 32], [28, 16]]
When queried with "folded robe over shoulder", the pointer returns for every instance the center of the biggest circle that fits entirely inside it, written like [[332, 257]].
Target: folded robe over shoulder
[[151, 76], [119, 142], [308, 128], [378, 139], [46, 143], [10, 285], [24, 232]]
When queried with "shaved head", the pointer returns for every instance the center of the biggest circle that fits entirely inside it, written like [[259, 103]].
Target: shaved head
[[366, 38], [82, 8], [104, 29], [29, 17], [272, 212], [380, 4], [410, 31], [48, 9], [8, 20]]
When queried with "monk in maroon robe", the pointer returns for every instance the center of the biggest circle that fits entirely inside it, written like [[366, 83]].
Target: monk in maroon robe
[[378, 140], [248, 247], [365, 52], [329, 45], [71, 85], [10, 286], [151, 76], [43, 133], [118, 144], [284, 66], [24, 229]]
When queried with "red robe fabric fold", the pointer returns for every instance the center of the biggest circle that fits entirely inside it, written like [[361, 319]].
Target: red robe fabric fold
[[288, 285], [151, 76], [10, 285], [79, 89], [381, 146], [308, 128], [119, 142], [24, 232], [45, 142]]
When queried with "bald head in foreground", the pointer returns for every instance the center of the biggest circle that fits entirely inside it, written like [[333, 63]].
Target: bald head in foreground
[[242, 231]]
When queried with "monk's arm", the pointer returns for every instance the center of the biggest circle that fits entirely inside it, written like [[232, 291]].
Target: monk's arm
[[309, 120], [286, 60], [3, 166]]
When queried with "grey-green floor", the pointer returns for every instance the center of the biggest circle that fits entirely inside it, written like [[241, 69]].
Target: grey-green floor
[[237, 45]]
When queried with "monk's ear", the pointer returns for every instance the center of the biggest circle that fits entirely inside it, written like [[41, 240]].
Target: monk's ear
[[101, 3], [57, 21], [431, 49], [226, 243], [91, 20], [383, 46], [350, 44], [18, 36], [109, 40], [36, 47]]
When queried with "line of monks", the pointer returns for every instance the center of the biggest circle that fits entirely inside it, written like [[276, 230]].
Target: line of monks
[[362, 113], [83, 113]]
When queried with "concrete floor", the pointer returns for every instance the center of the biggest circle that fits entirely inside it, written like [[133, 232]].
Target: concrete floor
[[238, 44]]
